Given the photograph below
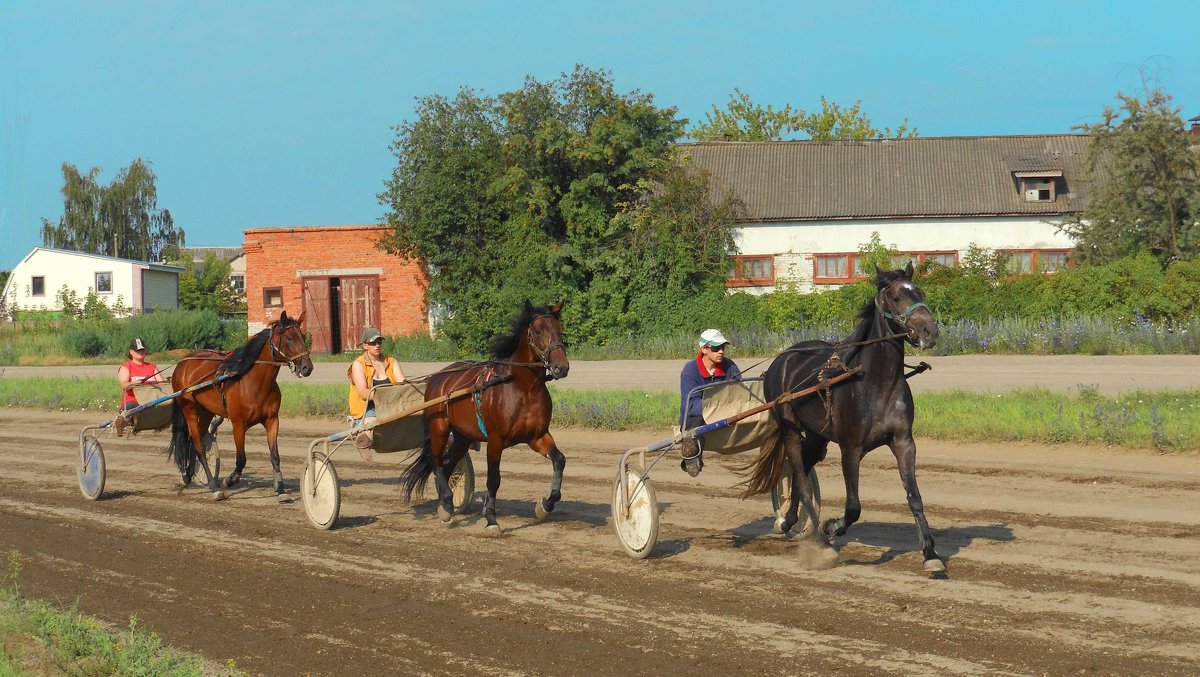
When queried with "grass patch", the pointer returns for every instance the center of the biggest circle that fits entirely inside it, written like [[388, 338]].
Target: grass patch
[[39, 639], [1161, 420]]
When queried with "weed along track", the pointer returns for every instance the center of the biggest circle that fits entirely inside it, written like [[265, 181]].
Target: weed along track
[[1060, 559]]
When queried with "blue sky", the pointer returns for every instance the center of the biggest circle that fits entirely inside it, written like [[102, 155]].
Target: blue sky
[[261, 114]]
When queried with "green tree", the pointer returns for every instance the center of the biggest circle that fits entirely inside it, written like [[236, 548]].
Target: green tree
[[1144, 190], [744, 120], [206, 287], [121, 219], [539, 193], [874, 254]]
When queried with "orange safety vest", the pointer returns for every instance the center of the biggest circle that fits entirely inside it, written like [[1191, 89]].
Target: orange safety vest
[[358, 406]]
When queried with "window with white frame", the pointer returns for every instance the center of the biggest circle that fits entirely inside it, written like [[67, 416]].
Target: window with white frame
[[104, 283]]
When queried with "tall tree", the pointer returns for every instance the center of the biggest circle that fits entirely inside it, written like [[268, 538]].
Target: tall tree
[[206, 286], [121, 219], [1144, 175], [522, 195], [744, 120]]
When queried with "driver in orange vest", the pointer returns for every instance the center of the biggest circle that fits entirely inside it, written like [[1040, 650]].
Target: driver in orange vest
[[368, 370]]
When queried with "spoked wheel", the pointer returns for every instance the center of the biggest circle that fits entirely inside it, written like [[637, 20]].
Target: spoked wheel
[[320, 492], [462, 485], [90, 468], [636, 518], [781, 500]]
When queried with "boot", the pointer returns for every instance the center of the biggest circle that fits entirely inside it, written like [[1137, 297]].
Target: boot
[[365, 443], [119, 424]]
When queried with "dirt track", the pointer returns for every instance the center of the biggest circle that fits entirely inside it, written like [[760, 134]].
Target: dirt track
[[1061, 560]]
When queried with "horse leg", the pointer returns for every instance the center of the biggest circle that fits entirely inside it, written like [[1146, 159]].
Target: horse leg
[[209, 439], [545, 446], [905, 451], [851, 458], [439, 439], [195, 428], [239, 443], [444, 468], [790, 439], [813, 450], [494, 450], [272, 426]]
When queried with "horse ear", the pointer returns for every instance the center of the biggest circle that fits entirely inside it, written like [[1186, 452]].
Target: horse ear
[[528, 306], [282, 317], [556, 308], [301, 320], [908, 270]]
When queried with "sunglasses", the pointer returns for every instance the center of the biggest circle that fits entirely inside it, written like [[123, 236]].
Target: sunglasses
[[376, 342]]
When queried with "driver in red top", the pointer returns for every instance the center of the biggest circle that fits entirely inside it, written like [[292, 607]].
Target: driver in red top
[[136, 370]]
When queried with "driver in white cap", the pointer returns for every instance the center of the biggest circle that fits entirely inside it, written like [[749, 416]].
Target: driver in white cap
[[710, 366]]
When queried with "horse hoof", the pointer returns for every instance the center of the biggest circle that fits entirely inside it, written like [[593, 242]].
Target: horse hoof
[[283, 498], [539, 511], [493, 531], [232, 481], [218, 495], [445, 515], [786, 532], [935, 566], [179, 487]]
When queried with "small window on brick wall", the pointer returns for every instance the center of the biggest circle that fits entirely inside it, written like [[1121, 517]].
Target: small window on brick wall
[[273, 297], [751, 271]]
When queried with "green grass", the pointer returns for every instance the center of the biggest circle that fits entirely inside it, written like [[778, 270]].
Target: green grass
[[38, 639], [1162, 420]]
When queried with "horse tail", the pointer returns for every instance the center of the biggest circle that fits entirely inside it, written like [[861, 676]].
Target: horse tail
[[417, 473], [181, 450], [764, 472]]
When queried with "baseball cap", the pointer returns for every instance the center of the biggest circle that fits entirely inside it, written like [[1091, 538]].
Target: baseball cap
[[713, 338], [370, 334], [137, 344]]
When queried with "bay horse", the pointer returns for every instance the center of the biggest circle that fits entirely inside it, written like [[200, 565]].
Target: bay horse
[[247, 394], [513, 412], [867, 411]]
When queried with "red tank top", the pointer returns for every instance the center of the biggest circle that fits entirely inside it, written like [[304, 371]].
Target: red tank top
[[144, 370]]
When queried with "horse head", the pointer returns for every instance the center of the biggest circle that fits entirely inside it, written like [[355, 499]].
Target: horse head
[[545, 337], [902, 303], [288, 344]]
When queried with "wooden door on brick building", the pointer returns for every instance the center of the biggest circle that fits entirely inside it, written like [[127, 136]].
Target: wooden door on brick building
[[358, 307], [318, 314]]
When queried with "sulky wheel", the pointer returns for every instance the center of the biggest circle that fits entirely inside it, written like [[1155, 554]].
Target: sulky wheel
[[635, 519], [320, 492], [90, 467], [462, 485]]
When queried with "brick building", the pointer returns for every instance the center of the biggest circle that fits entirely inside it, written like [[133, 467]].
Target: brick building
[[338, 277]]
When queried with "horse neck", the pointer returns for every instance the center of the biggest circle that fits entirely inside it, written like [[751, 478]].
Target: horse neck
[[266, 360], [881, 358], [524, 355]]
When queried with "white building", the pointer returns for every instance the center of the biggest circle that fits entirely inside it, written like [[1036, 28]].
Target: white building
[[138, 285], [810, 205]]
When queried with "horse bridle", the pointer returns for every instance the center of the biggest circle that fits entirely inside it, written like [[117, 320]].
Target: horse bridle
[[900, 318], [544, 355], [277, 354]]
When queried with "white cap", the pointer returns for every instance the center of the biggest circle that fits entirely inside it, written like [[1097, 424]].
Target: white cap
[[713, 337]]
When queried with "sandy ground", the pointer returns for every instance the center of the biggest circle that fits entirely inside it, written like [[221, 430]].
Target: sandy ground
[[1061, 560], [988, 373]]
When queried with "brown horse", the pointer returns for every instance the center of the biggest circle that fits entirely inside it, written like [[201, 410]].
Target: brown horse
[[873, 409], [513, 412], [245, 392]]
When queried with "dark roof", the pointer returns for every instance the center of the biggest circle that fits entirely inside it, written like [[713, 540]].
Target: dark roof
[[932, 176], [223, 253]]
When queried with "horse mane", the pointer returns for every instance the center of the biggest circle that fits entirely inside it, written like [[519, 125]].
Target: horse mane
[[241, 360], [503, 346], [867, 314]]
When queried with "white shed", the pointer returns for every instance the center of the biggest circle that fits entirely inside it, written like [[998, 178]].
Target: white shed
[[811, 204], [140, 286]]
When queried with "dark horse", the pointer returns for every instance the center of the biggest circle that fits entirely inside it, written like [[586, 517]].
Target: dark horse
[[513, 412], [247, 394], [871, 409]]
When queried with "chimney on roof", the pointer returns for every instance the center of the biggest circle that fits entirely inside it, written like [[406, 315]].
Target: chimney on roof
[[1195, 125]]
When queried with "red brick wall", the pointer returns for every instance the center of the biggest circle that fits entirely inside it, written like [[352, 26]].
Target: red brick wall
[[274, 255]]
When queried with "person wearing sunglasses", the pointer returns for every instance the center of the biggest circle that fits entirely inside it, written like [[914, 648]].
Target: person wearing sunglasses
[[136, 370], [710, 366], [368, 370]]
